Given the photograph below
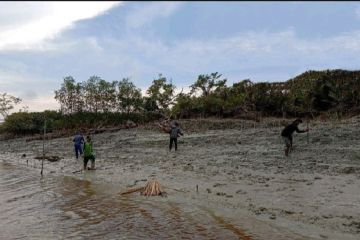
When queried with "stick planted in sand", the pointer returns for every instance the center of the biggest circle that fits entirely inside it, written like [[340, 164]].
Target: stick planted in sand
[[42, 161], [307, 126]]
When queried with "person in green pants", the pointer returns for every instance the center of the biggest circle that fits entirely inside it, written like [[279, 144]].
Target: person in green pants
[[89, 154]]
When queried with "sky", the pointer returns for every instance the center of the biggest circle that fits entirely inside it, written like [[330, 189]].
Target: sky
[[43, 42]]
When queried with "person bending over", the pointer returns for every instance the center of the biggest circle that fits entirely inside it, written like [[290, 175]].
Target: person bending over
[[287, 134]]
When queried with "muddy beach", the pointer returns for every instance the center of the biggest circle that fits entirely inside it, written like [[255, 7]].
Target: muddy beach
[[235, 168]]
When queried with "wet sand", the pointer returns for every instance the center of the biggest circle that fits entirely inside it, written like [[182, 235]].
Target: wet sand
[[239, 169]]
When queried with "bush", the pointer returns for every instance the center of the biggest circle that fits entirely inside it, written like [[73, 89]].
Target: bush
[[33, 122]]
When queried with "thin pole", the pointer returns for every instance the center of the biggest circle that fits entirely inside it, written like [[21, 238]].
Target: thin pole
[[307, 126], [42, 161]]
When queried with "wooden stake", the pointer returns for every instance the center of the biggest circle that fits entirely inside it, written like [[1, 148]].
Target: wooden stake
[[133, 190], [307, 126], [42, 161]]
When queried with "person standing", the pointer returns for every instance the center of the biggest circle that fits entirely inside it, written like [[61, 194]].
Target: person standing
[[88, 153], [78, 141], [287, 134], [175, 131]]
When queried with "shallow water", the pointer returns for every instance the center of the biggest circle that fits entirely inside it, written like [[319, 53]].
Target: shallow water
[[66, 207]]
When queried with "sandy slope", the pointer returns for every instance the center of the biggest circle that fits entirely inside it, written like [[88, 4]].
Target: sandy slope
[[238, 169]]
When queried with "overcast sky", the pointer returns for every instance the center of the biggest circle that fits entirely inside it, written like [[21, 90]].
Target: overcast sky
[[42, 42]]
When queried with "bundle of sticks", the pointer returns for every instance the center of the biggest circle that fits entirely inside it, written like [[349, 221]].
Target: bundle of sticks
[[152, 188]]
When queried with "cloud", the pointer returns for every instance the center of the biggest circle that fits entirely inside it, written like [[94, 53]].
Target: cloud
[[25, 25], [9, 78], [278, 55], [29, 94], [357, 12], [35, 95], [37, 103], [142, 16]]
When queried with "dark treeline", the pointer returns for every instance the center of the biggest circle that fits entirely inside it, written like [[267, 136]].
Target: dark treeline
[[22, 123], [99, 96], [97, 101], [310, 93]]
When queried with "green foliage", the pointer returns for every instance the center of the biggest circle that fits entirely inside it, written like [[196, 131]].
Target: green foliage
[[66, 95], [160, 94], [93, 95], [33, 122], [310, 93], [184, 105], [212, 93], [25, 123], [129, 97], [98, 95], [208, 83], [98, 103]]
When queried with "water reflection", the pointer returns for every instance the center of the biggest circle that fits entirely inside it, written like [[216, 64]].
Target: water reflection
[[67, 207]]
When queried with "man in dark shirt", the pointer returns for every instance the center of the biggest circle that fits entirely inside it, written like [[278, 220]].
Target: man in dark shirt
[[78, 141], [287, 134], [175, 131]]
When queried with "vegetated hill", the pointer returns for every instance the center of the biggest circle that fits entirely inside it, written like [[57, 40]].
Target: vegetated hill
[[309, 94], [330, 90]]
